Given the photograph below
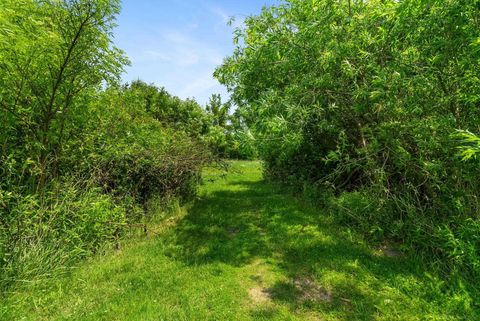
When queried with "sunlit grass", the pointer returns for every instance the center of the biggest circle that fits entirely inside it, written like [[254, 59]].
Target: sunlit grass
[[244, 250]]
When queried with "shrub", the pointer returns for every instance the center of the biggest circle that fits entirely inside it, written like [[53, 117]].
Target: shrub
[[81, 157], [362, 97], [42, 234]]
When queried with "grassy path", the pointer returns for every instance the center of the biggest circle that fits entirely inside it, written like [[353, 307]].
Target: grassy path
[[243, 251]]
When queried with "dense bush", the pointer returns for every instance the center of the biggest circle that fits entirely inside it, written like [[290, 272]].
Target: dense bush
[[80, 156], [42, 234], [140, 156], [108, 174], [361, 98], [226, 135], [242, 143], [183, 115]]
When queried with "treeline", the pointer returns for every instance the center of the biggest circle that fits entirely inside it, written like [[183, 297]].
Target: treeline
[[83, 158], [358, 100], [227, 135]]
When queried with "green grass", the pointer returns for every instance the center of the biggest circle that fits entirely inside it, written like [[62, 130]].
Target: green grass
[[244, 250]]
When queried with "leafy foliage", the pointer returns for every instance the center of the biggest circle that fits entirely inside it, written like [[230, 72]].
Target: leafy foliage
[[80, 156], [228, 135], [470, 144], [186, 116], [360, 98]]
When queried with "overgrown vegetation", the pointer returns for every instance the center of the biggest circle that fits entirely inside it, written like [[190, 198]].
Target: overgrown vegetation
[[246, 249], [226, 135], [359, 100], [367, 107], [80, 155]]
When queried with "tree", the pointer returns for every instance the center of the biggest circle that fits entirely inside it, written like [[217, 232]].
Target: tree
[[218, 110], [186, 115], [62, 53], [360, 98]]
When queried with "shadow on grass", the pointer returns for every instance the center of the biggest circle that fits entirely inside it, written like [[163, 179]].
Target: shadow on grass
[[254, 220]]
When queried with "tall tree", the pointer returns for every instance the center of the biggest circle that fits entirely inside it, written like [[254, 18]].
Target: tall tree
[[218, 110], [55, 54]]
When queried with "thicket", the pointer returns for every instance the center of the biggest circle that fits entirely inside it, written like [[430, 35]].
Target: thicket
[[359, 100], [81, 157], [225, 134], [228, 135]]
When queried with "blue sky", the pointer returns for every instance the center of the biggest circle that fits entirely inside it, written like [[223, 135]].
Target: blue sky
[[177, 44]]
